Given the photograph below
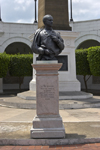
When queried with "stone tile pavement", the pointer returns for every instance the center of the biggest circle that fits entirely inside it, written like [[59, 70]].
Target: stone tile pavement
[[68, 115], [95, 146], [83, 125], [79, 124]]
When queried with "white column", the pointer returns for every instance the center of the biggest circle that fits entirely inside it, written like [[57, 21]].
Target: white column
[[32, 84], [67, 79]]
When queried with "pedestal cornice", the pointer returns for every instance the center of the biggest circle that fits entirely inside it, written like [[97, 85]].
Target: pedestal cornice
[[47, 67]]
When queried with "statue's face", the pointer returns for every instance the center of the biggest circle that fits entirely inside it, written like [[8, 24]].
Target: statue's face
[[49, 21]]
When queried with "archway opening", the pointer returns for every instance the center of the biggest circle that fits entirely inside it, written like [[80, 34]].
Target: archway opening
[[15, 48], [18, 47], [84, 45], [88, 43]]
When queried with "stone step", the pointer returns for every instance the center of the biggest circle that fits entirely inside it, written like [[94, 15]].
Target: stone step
[[18, 133], [17, 102]]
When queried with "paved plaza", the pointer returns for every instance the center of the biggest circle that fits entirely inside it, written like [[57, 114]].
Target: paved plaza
[[81, 125]]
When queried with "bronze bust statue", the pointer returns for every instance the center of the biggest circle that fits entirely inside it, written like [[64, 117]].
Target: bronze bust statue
[[47, 43]]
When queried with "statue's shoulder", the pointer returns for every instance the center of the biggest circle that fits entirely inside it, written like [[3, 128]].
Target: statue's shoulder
[[38, 31]]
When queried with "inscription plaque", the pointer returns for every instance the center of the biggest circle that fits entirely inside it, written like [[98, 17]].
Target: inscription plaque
[[64, 60], [47, 92]]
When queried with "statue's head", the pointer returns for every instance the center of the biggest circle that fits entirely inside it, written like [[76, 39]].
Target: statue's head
[[48, 20]]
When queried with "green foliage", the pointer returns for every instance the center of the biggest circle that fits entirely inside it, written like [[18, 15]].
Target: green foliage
[[4, 63], [94, 60], [82, 64], [20, 65]]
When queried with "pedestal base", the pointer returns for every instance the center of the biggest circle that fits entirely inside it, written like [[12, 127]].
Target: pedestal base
[[47, 127], [32, 85], [64, 86], [47, 133], [47, 123], [69, 86]]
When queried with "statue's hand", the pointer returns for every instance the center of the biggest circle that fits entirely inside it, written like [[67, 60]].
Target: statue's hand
[[47, 52], [54, 38], [41, 50]]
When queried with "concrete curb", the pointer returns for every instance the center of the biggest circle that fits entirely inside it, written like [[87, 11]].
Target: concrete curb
[[76, 97], [78, 106], [60, 97], [31, 95], [44, 142], [62, 106], [26, 97]]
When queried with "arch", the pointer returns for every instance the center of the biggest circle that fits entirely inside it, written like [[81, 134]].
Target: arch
[[87, 37], [88, 43], [13, 40], [18, 47]]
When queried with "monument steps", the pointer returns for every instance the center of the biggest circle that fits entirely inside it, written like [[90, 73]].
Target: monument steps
[[17, 102], [31, 95]]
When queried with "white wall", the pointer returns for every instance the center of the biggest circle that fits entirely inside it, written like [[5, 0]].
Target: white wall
[[15, 32], [89, 29]]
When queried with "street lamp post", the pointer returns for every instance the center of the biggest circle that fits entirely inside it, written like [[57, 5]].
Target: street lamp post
[[35, 21], [0, 13], [71, 19]]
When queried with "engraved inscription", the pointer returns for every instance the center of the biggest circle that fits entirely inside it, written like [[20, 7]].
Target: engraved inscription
[[47, 92], [64, 60]]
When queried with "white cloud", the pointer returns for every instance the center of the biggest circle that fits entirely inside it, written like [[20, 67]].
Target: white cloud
[[23, 10], [24, 2], [20, 1], [17, 8], [85, 9], [29, 2]]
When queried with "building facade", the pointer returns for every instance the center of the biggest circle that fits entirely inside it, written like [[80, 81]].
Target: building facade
[[89, 35], [14, 38]]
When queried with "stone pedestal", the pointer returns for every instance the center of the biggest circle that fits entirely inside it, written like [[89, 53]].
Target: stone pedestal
[[47, 123], [67, 77], [56, 8], [67, 74]]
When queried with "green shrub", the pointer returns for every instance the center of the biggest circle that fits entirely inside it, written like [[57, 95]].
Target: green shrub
[[82, 64], [94, 60], [20, 66], [4, 63]]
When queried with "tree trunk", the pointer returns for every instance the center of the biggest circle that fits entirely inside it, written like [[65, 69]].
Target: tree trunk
[[85, 82]]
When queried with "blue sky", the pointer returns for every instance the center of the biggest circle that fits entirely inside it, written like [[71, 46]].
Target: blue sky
[[22, 11]]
